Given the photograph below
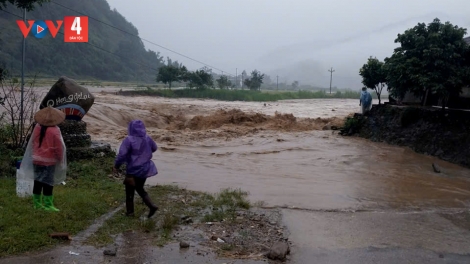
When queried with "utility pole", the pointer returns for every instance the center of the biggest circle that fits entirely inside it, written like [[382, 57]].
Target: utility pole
[[22, 81], [277, 82], [331, 78], [236, 77]]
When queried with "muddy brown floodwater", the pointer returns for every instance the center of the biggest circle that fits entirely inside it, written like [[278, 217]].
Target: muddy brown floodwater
[[344, 200]]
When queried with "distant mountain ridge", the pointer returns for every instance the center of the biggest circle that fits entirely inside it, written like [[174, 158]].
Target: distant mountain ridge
[[50, 57]]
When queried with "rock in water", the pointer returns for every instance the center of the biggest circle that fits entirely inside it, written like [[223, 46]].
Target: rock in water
[[73, 99], [436, 168], [279, 251]]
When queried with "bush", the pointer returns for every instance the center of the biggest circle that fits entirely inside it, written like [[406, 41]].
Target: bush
[[409, 116], [351, 126]]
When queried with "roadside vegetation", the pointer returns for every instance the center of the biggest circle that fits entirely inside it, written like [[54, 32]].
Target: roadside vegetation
[[88, 194], [243, 95], [176, 206], [422, 66]]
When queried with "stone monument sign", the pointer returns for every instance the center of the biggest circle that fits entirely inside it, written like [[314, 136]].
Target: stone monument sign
[[75, 101]]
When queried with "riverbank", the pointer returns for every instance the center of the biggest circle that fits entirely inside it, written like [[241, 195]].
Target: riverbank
[[240, 95], [88, 194], [428, 131], [91, 218]]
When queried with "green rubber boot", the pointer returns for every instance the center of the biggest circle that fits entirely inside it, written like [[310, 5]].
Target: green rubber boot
[[37, 201], [49, 204]]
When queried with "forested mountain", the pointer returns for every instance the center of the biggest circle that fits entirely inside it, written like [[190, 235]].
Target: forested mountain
[[52, 57]]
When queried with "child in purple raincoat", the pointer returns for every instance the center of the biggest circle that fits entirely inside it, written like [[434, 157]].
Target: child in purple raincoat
[[136, 151]]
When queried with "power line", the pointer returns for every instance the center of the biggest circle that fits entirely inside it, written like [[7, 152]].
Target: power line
[[95, 46], [153, 43]]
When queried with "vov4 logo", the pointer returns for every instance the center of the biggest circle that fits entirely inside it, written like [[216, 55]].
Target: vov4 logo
[[75, 28]]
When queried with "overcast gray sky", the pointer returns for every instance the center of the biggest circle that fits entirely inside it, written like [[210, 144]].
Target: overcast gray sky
[[295, 39]]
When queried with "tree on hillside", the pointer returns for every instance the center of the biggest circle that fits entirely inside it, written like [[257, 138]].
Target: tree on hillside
[[28, 4], [223, 82], [431, 59], [170, 73], [170, 62], [254, 83], [199, 79], [373, 75], [114, 57]]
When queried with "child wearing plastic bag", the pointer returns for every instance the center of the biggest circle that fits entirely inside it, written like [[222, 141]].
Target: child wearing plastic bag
[[136, 151], [45, 157]]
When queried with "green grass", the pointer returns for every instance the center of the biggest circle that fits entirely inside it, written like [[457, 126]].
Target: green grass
[[173, 203], [88, 194], [225, 204], [161, 225], [244, 95], [49, 81]]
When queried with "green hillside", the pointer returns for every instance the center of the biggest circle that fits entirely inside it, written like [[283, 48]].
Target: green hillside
[[50, 57]]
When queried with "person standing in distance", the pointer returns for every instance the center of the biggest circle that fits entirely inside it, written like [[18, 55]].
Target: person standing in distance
[[365, 101]]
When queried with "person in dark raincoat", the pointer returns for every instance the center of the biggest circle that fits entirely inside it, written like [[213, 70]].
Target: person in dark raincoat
[[365, 101], [136, 152]]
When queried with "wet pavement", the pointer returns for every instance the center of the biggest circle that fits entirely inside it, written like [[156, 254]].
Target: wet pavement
[[132, 253], [376, 237]]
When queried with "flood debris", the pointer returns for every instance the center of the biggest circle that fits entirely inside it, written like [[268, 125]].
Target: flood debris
[[436, 168], [167, 148], [186, 219], [250, 235], [60, 236]]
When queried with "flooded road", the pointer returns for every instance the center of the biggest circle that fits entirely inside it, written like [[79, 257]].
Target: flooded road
[[345, 200], [317, 171], [312, 169]]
